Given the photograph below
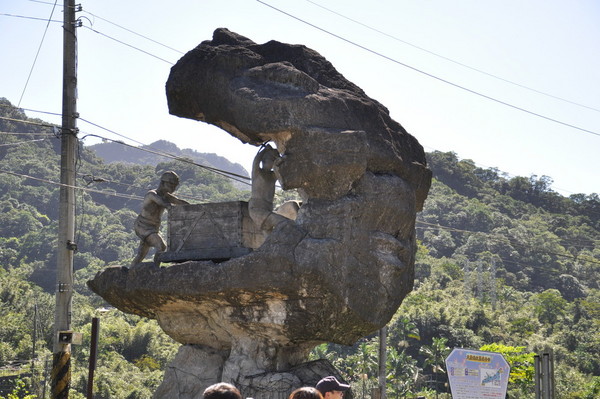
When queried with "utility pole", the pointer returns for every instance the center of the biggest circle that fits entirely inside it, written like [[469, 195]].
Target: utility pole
[[61, 364], [382, 362]]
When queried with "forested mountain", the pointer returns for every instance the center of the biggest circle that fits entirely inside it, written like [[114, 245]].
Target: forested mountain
[[117, 152], [504, 264]]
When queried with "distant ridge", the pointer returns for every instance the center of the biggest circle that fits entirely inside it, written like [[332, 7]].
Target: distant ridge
[[114, 152]]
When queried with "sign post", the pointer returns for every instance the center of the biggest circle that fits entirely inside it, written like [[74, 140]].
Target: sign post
[[477, 374]]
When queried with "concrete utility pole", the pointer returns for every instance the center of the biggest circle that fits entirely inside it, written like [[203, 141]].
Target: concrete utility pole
[[61, 365]]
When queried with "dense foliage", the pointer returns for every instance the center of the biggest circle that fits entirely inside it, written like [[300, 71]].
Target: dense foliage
[[108, 200], [504, 264]]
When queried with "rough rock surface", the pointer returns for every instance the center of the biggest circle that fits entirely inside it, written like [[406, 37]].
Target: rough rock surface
[[337, 273]]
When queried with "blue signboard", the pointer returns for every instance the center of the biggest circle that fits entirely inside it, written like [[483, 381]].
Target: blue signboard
[[476, 374]]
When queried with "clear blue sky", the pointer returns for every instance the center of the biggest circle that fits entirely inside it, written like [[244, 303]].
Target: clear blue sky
[[547, 46]]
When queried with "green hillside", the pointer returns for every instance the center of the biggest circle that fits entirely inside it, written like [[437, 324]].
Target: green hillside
[[112, 152], [502, 261]]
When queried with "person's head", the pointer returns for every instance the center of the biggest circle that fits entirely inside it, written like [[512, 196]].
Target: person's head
[[169, 180], [222, 390], [306, 393], [331, 388]]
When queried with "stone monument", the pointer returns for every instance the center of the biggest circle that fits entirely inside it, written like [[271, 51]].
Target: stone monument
[[336, 273]]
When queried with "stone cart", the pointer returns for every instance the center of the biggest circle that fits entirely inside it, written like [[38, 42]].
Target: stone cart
[[211, 231]]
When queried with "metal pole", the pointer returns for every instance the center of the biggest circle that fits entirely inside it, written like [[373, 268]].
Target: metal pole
[[551, 372], [537, 364], [93, 352], [61, 364], [545, 374], [382, 361]]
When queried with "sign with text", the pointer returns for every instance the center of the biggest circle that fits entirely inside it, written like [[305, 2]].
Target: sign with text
[[476, 374]]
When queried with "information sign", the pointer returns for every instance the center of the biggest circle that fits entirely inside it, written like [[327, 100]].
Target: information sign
[[476, 374]]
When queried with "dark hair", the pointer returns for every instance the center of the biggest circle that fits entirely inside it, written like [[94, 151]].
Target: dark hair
[[306, 393], [222, 390]]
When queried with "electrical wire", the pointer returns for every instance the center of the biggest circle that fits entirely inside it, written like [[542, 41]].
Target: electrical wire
[[91, 190], [27, 122], [90, 179], [512, 240], [128, 45], [135, 33], [17, 143], [97, 32], [380, 55], [119, 26], [451, 60], [431, 75], [140, 143], [28, 17], [26, 134], [30, 110], [233, 176], [433, 226], [223, 173], [579, 244], [41, 2], [230, 175], [37, 53], [428, 225]]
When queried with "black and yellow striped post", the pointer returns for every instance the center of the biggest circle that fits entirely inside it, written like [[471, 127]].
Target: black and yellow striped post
[[61, 375]]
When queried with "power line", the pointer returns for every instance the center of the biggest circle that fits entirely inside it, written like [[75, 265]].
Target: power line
[[90, 178], [128, 45], [230, 175], [437, 226], [157, 152], [121, 27], [41, 2], [17, 143], [451, 60], [95, 31], [143, 144], [135, 33], [223, 173], [579, 244], [30, 110], [26, 134], [27, 122], [37, 53], [512, 240], [429, 74], [28, 17], [114, 194], [378, 54]]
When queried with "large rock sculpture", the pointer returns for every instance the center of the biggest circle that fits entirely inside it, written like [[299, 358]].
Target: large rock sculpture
[[337, 273]]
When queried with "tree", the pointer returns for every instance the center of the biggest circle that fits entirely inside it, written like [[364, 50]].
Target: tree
[[435, 358], [402, 371], [550, 306], [520, 361]]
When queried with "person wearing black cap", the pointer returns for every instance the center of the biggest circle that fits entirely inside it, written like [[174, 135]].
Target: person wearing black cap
[[331, 388]]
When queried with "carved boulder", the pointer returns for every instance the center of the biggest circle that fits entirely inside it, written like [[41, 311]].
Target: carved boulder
[[336, 273]]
